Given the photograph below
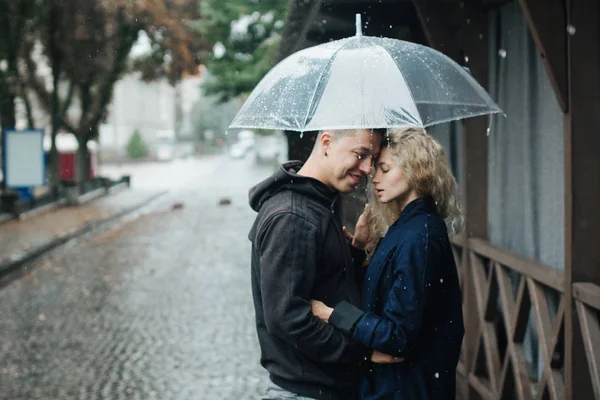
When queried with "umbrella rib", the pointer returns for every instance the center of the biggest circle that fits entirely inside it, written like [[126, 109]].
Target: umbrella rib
[[450, 119], [325, 69], [404, 79], [451, 103]]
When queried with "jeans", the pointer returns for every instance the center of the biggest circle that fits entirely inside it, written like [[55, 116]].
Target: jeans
[[275, 392]]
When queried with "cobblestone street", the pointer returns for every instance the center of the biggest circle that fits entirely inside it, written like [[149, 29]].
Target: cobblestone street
[[157, 306]]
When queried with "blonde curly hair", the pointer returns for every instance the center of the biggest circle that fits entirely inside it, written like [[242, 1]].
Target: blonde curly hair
[[427, 171]]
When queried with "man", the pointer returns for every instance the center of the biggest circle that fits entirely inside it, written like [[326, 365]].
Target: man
[[299, 253]]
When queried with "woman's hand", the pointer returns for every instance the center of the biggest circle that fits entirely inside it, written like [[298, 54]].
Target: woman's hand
[[381, 358], [320, 310], [362, 232]]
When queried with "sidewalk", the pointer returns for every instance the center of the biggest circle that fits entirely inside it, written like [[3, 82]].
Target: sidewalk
[[21, 241]]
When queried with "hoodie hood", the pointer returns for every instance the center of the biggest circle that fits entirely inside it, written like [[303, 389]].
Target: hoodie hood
[[286, 178]]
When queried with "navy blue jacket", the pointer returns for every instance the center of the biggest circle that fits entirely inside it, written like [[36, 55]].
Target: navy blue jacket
[[412, 309]]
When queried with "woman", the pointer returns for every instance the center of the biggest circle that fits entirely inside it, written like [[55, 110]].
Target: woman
[[411, 307]]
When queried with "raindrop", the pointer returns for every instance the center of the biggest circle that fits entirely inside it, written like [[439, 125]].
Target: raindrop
[[480, 36], [390, 26], [301, 135], [571, 29], [502, 53], [436, 375], [466, 58], [468, 21], [441, 280]]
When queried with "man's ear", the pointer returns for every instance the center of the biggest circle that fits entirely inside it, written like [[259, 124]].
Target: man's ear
[[326, 139]]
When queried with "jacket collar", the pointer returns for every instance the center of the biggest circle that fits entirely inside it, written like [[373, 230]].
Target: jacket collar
[[421, 204]]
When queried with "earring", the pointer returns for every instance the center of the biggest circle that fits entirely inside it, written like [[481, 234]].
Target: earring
[[326, 154]]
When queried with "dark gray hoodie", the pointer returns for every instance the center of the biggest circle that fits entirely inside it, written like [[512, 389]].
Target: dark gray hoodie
[[299, 253]]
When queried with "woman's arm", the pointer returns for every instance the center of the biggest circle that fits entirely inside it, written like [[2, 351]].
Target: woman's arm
[[397, 329], [323, 312]]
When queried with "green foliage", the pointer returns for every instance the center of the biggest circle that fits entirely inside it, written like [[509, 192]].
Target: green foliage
[[248, 31], [136, 147]]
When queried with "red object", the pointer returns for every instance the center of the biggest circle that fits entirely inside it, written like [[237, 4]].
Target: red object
[[66, 165]]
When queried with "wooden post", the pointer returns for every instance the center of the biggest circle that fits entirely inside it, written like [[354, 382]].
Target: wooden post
[[547, 23], [473, 40], [582, 178]]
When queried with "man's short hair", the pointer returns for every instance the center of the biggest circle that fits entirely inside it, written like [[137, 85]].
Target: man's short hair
[[338, 133], [341, 133]]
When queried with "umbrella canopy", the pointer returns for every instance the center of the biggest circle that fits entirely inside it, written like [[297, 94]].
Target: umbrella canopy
[[363, 82]]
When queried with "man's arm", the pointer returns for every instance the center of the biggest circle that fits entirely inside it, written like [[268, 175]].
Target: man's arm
[[289, 252]]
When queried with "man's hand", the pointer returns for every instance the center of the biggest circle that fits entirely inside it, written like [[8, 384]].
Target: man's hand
[[320, 310], [381, 358], [362, 232]]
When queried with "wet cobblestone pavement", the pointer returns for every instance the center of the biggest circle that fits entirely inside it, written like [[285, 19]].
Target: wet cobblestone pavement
[[158, 307], [19, 237]]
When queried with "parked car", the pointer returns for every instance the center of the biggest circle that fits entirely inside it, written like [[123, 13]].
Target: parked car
[[241, 148], [164, 151], [270, 148], [244, 144]]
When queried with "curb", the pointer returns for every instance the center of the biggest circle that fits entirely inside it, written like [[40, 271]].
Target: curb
[[15, 262], [82, 199]]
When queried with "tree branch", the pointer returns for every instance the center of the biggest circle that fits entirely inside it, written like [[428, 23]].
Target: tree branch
[[67, 102], [25, 97], [35, 83], [128, 34]]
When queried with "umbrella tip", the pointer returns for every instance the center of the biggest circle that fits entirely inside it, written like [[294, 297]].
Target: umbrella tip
[[358, 25]]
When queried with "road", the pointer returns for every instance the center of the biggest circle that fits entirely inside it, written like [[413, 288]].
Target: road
[[157, 306]]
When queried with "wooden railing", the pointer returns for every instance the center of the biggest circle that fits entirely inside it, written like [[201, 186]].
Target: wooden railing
[[587, 303], [508, 291]]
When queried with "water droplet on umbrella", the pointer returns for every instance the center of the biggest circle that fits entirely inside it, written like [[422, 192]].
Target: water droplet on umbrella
[[571, 29], [502, 53], [301, 135]]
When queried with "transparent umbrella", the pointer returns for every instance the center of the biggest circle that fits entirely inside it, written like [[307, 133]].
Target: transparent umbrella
[[363, 82]]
